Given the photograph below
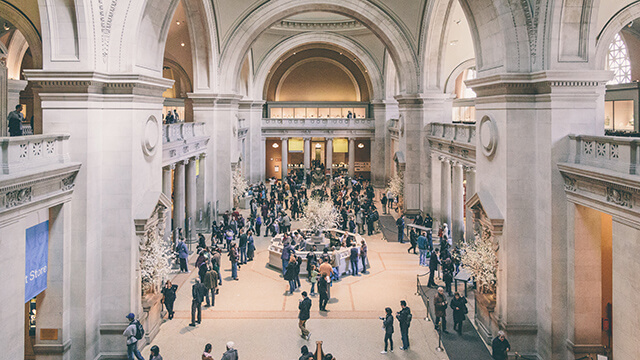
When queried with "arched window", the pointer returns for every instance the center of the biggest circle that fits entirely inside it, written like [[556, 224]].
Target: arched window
[[618, 61]]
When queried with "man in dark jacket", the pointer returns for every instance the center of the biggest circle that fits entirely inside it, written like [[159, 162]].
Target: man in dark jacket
[[500, 347], [210, 282], [304, 306], [242, 245], [400, 225], [231, 353], [440, 304], [15, 120], [323, 291], [198, 292], [353, 257], [433, 266], [404, 318]]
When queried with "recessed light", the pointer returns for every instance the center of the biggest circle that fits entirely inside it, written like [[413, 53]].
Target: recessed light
[[294, 53], [178, 23], [318, 146], [360, 145], [6, 26], [275, 145], [182, 44]]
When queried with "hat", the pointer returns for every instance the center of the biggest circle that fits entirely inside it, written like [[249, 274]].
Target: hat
[[131, 316]]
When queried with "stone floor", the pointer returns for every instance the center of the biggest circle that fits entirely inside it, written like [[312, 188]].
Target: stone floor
[[257, 314]]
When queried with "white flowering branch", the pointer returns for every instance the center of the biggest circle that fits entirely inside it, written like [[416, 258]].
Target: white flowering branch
[[240, 184], [481, 260], [319, 215], [396, 185], [155, 260]]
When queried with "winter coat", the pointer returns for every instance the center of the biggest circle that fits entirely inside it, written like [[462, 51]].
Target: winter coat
[[440, 305], [388, 324], [183, 252], [459, 307], [231, 354], [210, 279]]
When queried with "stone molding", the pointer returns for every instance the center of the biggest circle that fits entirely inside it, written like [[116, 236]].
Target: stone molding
[[53, 85], [52, 349], [183, 141], [314, 26]]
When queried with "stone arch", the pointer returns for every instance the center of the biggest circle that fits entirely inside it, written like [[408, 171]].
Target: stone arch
[[332, 40], [613, 26], [450, 83], [500, 33], [184, 77], [18, 47], [153, 29], [368, 14], [26, 28]]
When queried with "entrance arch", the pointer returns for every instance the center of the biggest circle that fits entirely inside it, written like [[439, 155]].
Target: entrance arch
[[331, 40], [369, 15], [613, 26]]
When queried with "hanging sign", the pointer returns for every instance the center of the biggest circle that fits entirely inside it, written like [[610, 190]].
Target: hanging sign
[[36, 260]]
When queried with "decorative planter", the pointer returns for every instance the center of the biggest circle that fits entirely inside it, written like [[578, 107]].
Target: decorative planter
[[151, 317], [485, 305]]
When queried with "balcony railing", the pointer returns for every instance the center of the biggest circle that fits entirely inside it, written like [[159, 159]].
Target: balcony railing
[[461, 133], [182, 131], [21, 153], [322, 123], [606, 152]]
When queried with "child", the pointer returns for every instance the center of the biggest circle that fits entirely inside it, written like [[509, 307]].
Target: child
[[313, 278]]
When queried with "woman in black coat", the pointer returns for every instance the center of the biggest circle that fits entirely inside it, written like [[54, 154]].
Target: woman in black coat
[[169, 297], [459, 306], [387, 324], [290, 274]]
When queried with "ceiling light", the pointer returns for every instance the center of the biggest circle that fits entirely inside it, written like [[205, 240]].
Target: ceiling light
[[6, 26], [182, 44], [294, 53], [630, 24], [318, 146], [178, 23], [340, 53], [275, 145], [453, 42], [360, 146]]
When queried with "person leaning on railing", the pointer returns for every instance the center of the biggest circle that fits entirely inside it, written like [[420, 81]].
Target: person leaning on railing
[[15, 119]]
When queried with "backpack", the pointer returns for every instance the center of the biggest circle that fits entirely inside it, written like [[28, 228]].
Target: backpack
[[409, 317], [139, 330]]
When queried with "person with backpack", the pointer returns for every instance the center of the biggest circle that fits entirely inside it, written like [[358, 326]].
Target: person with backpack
[[404, 318], [133, 333], [183, 254]]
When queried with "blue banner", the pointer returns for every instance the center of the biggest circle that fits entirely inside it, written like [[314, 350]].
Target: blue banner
[[37, 260]]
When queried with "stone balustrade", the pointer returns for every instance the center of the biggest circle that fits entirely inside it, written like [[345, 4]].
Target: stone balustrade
[[182, 131], [614, 153], [319, 123], [460, 133], [183, 141], [23, 153], [454, 141]]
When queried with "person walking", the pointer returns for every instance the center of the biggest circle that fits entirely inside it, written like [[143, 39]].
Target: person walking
[[387, 325], [363, 256], [169, 297], [231, 353], [413, 238], [242, 246], [198, 292], [183, 255], [206, 354], [404, 319], [132, 334], [304, 306], [383, 202], [433, 266], [447, 274], [210, 282], [290, 274], [400, 225], [233, 257], [422, 249], [500, 347], [155, 353], [251, 247], [353, 258], [323, 291], [440, 304], [459, 307]]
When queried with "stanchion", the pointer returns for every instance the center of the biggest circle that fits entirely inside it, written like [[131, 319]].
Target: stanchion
[[440, 348]]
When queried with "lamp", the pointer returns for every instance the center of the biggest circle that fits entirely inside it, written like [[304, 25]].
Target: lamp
[[360, 146], [275, 145], [318, 146]]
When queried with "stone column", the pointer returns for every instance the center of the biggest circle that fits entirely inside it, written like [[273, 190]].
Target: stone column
[[191, 198], [4, 95], [445, 191], [471, 190], [378, 149], [307, 154], [201, 202], [436, 207], [285, 157], [457, 205], [352, 157], [168, 191], [179, 196], [255, 156], [329, 157]]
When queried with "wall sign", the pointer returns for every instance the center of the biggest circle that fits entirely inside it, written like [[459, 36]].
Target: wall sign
[[36, 260]]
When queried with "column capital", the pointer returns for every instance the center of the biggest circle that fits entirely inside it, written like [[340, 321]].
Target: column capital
[[306, 138], [441, 158], [468, 168], [184, 162], [202, 155], [169, 167], [284, 138], [352, 138]]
